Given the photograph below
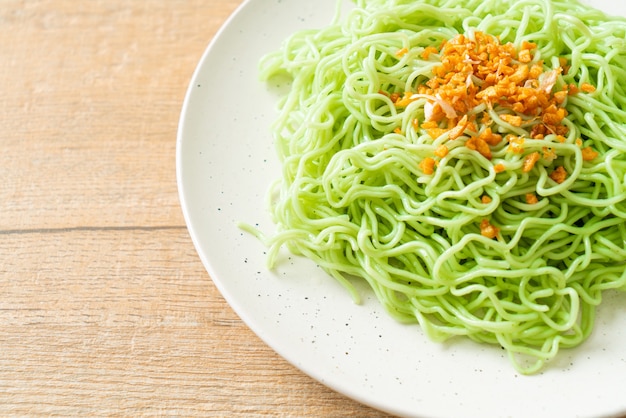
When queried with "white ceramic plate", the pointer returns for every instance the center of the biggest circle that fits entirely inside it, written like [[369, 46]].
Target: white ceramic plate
[[225, 162]]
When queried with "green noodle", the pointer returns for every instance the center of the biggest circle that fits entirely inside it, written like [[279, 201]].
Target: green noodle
[[353, 199]]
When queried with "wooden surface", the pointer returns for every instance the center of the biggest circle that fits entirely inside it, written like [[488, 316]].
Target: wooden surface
[[105, 307]]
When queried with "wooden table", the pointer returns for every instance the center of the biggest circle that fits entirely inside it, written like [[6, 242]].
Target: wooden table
[[105, 306]]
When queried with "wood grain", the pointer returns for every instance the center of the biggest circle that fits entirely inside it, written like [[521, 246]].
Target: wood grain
[[105, 308]]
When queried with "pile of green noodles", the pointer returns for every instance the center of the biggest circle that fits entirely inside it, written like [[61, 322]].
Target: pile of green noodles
[[353, 199]]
